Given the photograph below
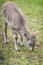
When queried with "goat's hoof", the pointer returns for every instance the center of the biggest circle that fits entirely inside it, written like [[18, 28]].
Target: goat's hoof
[[17, 49], [22, 45], [5, 42]]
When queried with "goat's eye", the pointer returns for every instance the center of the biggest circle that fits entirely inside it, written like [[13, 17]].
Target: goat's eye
[[30, 44]]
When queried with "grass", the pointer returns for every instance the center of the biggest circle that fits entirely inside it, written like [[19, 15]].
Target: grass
[[33, 10]]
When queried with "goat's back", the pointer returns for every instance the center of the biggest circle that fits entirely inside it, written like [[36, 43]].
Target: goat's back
[[13, 15]]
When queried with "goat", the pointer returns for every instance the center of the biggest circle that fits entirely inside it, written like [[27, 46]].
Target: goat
[[14, 17]]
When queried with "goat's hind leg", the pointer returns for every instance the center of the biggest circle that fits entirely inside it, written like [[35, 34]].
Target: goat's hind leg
[[5, 33]]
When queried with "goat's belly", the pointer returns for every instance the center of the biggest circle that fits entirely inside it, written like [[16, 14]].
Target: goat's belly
[[13, 25]]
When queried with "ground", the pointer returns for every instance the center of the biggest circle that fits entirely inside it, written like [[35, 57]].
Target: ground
[[33, 10]]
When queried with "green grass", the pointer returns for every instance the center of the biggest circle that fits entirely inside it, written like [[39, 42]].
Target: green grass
[[33, 10]]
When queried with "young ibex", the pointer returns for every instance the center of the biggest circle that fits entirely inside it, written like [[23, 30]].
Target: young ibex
[[14, 17]]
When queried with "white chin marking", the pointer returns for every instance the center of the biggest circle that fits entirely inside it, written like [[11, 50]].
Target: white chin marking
[[30, 41], [30, 48]]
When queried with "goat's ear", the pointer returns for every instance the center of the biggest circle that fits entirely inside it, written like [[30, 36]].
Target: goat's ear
[[36, 33]]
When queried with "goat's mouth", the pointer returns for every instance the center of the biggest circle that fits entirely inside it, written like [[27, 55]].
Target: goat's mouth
[[31, 47]]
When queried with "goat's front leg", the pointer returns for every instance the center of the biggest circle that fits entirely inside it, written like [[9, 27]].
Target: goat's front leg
[[21, 39], [15, 36], [5, 33]]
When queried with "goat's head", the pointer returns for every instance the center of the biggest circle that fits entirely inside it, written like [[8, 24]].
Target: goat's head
[[32, 40]]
